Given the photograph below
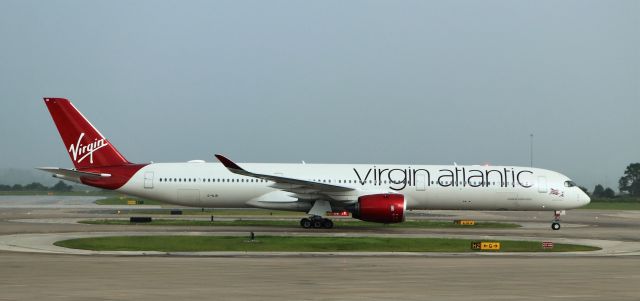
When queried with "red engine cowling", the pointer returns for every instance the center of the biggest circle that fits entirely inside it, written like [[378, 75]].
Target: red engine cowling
[[380, 208]]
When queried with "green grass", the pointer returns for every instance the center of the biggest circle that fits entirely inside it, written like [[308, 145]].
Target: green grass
[[298, 244], [217, 212], [122, 200], [613, 206], [343, 224], [619, 203], [65, 193]]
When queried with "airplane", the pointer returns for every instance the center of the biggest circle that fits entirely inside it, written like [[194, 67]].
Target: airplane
[[369, 192]]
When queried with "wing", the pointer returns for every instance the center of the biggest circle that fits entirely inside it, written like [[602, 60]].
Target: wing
[[302, 189]]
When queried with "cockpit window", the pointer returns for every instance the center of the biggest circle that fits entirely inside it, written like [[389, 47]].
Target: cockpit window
[[569, 184]]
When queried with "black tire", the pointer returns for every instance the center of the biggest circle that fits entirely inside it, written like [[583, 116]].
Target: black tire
[[555, 226], [317, 223], [327, 224], [305, 223]]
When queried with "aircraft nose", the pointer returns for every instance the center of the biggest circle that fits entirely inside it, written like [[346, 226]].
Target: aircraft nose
[[583, 198]]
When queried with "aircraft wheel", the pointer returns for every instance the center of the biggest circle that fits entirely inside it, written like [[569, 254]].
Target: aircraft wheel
[[317, 223], [555, 226], [327, 223], [305, 223]]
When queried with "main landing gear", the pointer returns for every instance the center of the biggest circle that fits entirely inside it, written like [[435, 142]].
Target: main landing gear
[[316, 222], [556, 220]]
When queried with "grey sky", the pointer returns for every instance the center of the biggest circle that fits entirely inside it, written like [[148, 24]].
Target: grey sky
[[330, 81]]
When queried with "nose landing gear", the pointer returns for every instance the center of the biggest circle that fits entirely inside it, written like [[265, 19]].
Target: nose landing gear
[[556, 220], [316, 222]]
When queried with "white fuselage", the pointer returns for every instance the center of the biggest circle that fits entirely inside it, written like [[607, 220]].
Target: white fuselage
[[211, 185]]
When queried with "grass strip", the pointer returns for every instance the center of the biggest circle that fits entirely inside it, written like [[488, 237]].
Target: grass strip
[[60, 193], [215, 212], [613, 205], [298, 244], [124, 201], [292, 223]]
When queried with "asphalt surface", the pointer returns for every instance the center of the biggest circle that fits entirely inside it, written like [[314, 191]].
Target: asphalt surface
[[32, 270]]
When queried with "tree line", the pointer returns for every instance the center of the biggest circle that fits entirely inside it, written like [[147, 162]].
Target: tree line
[[629, 184], [35, 186]]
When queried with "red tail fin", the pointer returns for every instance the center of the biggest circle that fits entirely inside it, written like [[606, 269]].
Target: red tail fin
[[86, 146]]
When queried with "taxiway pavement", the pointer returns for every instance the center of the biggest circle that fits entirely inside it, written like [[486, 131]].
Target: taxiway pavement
[[613, 274]]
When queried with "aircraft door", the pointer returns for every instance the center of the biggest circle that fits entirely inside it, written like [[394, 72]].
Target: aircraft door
[[542, 184], [148, 179]]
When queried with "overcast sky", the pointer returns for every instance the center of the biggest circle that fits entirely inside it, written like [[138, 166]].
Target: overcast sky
[[418, 82]]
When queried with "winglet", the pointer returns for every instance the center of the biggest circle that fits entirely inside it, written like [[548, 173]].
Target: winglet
[[228, 163]]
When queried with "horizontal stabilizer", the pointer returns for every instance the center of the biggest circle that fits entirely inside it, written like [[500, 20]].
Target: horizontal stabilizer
[[73, 173]]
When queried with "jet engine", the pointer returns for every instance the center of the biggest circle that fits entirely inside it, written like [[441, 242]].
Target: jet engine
[[380, 208]]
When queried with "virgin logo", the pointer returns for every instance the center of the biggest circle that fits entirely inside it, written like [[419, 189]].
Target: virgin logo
[[84, 151]]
